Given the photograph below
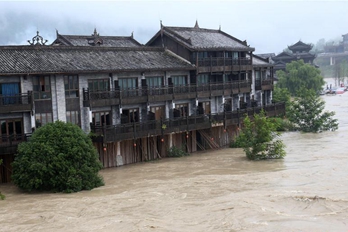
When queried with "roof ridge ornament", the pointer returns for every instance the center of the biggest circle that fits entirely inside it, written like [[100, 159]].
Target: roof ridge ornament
[[95, 34], [196, 25], [37, 40]]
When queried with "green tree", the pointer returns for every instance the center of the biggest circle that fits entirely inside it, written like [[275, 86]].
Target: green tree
[[298, 75], [259, 138], [281, 95], [306, 113], [58, 157]]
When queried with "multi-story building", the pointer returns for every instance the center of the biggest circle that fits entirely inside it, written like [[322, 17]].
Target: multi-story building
[[136, 101], [299, 51]]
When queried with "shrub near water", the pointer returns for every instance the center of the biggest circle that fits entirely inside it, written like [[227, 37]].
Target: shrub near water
[[259, 138], [177, 152], [58, 157]]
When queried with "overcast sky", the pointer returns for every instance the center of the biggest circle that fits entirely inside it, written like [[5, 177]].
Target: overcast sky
[[268, 26]]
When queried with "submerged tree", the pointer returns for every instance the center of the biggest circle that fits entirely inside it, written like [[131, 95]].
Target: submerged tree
[[306, 113], [298, 75], [58, 157], [259, 138]]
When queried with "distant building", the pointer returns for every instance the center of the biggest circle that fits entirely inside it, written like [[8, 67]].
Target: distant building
[[339, 48], [300, 51]]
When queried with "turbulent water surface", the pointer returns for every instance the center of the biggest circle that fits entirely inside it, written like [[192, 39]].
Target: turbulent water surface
[[210, 191]]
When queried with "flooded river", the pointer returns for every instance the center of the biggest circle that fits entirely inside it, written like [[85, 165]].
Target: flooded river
[[211, 191]]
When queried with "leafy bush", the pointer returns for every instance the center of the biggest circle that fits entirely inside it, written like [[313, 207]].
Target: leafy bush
[[258, 138], [237, 143], [177, 152], [283, 124], [58, 157]]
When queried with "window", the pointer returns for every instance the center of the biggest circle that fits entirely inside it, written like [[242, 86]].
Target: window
[[130, 115], [42, 118], [181, 110], [235, 55], [202, 79], [203, 107], [202, 54], [257, 75], [99, 85], [71, 85], [101, 118], [11, 129], [41, 87], [128, 83], [157, 112], [154, 81], [179, 80], [73, 117], [8, 92]]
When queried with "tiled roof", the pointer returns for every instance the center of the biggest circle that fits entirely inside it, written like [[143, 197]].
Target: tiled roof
[[260, 62], [67, 59], [106, 41], [300, 46], [203, 39], [282, 56]]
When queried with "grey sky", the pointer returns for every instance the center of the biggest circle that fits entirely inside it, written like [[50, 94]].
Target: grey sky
[[268, 26]]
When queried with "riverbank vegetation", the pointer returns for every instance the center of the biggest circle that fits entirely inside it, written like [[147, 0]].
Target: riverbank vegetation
[[298, 87], [306, 112], [177, 152], [259, 138], [59, 157]]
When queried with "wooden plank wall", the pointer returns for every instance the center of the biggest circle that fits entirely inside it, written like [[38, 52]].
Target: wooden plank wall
[[152, 148], [6, 168], [133, 151], [224, 137]]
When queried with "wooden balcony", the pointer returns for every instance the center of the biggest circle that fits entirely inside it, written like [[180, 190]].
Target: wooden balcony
[[9, 143], [166, 93], [16, 103], [264, 84], [195, 122], [221, 64]]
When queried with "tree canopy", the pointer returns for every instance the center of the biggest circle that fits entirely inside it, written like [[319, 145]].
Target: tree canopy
[[298, 75], [58, 157], [259, 138], [306, 113]]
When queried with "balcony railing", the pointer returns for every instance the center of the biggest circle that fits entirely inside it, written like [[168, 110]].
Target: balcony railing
[[263, 84], [11, 140], [195, 122], [222, 61], [18, 102], [170, 92]]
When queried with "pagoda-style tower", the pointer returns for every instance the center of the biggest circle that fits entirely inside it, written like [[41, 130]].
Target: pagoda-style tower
[[300, 51]]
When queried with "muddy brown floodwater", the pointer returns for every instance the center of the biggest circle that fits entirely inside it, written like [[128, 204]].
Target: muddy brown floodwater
[[210, 191]]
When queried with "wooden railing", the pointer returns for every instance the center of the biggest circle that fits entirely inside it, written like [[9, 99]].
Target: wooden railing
[[13, 140], [222, 61], [17, 99], [195, 122], [165, 90]]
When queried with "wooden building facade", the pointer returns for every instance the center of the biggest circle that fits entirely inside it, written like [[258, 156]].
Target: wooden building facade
[[136, 100]]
